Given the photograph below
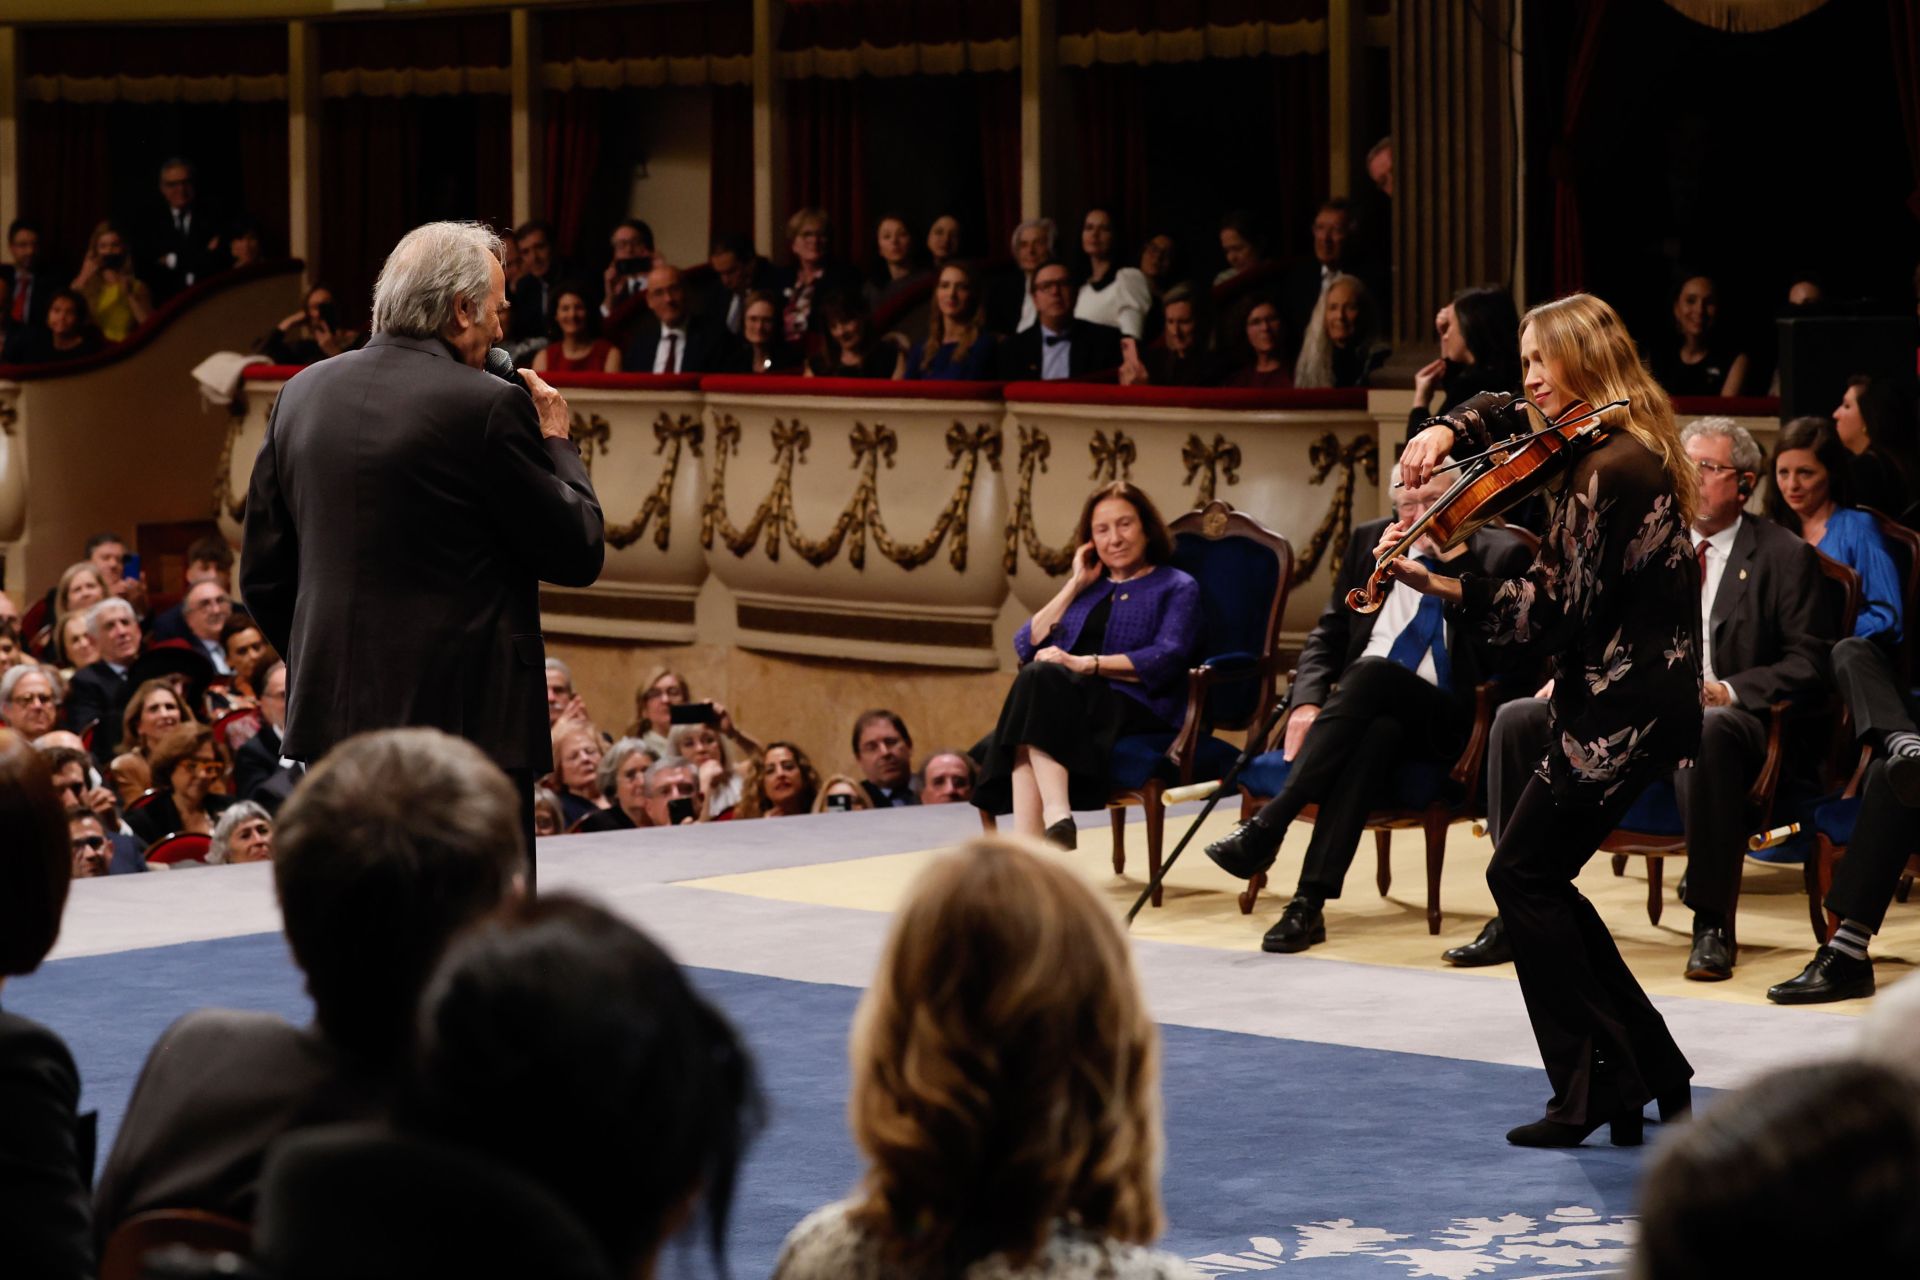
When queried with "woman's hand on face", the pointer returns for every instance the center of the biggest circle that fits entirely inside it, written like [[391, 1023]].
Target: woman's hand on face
[[1427, 381], [1423, 453], [1086, 567]]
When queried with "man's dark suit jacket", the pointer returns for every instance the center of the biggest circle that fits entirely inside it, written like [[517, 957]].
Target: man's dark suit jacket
[[156, 236], [1006, 289], [172, 623], [710, 348], [47, 281], [1773, 622], [255, 764], [218, 1088], [46, 1156], [403, 512], [712, 300], [1341, 635], [1094, 348], [526, 317], [901, 797], [98, 693]]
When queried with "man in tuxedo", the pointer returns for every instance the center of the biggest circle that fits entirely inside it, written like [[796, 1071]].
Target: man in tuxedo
[[258, 773], [884, 749], [1335, 251], [427, 819], [672, 341], [418, 601], [1766, 625], [737, 271], [624, 282], [180, 241], [539, 277], [1374, 692], [1059, 345], [34, 281], [98, 693], [1010, 289]]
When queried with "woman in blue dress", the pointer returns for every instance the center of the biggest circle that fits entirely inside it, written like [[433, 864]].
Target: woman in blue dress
[[958, 347], [1810, 493]]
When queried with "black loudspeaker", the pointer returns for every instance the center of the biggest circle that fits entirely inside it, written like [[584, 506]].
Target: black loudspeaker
[[1820, 354]]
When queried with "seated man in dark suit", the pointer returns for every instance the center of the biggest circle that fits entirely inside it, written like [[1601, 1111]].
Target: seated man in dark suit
[[672, 341], [1374, 692], [208, 559], [1009, 289], [884, 749], [258, 773], [1059, 344], [1336, 238], [540, 275], [436, 826], [1766, 627], [179, 239], [97, 694], [737, 272]]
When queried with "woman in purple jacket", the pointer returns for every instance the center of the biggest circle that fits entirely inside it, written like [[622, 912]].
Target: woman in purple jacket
[[1106, 657]]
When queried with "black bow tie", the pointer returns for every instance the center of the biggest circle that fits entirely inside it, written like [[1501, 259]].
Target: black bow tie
[[1055, 339]]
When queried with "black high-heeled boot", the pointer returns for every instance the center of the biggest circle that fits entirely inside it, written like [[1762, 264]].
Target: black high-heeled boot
[[1623, 1130]]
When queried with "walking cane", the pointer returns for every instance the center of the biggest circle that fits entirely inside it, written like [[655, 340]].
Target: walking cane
[[1212, 791]]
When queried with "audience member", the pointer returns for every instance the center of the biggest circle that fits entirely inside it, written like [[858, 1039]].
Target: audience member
[[1479, 351], [78, 788], [209, 559], [246, 649], [948, 777], [662, 690], [1105, 658], [1109, 294], [46, 1146], [701, 746], [81, 586], [92, 852], [1266, 343], [813, 275], [322, 333], [154, 710], [780, 780], [1005, 1089], [531, 301], [11, 654], [737, 272], [31, 694], [1335, 227], [68, 333], [1010, 300], [118, 300], [98, 694], [1380, 166], [13, 333], [396, 842], [547, 818], [1375, 692], [244, 833], [1699, 360], [1181, 358], [208, 607], [1159, 265], [186, 763], [179, 240], [574, 343], [763, 348], [562, 702], [557, 1011], [943, 241], [673, 340], [74, 645], [1808, 493], [1341, 347], [669, 796], [259, 774], [34, 281], [841, 794], [852, 349], [576, 770], [244, 245], [1242, 244], [884, 750], [1060, 345], [624, 282], [623, 781], [957, 347], [1876, 420], [894, 267], [108, 551], [1773, 1178], [511, 268]]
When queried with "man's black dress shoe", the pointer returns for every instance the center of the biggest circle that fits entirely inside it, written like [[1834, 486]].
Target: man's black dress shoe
[[1676, 1103], [1247, 850], [1622, 1130], [1903, 775], [1491, 947], [1299, 927], [1831, 975], [1711, 959], [1064, 834]]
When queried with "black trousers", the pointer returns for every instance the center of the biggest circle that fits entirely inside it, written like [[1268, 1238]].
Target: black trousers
[[523, 781], [1863, 883], [1606, 1048], [1712, 794], [1380, 717]]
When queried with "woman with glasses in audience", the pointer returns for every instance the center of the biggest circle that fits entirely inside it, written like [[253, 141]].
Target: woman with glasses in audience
[[721, 785], [30, 695], [574, 342], [662, 690], [852, 349], [1809, 492], [244, 833], [1006, 1090], [186, 764], [957, 347], [780, 780], [120, 303], [1341, 347], [812, 277], [46, 1149], [547, 818], [1700, 359], [576, 771], [1110, 294], [764, 348], [1266, 365]]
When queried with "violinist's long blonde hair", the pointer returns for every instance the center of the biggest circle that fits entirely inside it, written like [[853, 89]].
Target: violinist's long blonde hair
[[1599, 363]]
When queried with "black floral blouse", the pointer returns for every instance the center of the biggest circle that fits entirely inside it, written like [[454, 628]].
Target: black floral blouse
[[1613, 601]]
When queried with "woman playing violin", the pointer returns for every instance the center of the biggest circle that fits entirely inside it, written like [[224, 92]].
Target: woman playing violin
[[1613, 602]]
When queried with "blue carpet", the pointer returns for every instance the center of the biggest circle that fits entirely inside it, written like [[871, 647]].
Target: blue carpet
[[1278, 1151]]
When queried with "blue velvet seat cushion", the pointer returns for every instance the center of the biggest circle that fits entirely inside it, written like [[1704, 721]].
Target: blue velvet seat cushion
[[1835, 819], [1141, 756], [1238, 578], [1415, 784], [1656, 812]]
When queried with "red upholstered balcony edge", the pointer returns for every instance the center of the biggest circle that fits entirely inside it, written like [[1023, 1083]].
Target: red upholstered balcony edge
[[1186, 397], [861, 388], [163, 316], [1726, 406], [626, 381]]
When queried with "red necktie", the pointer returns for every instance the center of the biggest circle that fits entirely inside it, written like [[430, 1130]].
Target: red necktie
[[673, 354], [21, 283]]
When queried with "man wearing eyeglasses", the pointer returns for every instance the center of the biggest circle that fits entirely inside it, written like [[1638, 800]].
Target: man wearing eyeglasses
[[207, 608], [1058, 344], [81, 794]]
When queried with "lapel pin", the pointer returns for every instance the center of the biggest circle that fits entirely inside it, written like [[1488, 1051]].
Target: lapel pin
[[1743, 575]]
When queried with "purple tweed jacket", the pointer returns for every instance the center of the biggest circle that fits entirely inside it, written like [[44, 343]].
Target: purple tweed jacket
[[1155, 622]]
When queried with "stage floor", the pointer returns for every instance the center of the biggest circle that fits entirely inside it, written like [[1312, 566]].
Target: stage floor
[[1335, 1112]]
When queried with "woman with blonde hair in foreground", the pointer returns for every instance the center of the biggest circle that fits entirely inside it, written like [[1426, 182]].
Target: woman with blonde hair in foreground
[[1005, 1089]]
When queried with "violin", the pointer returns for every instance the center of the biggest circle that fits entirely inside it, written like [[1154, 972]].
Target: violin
[[1495, 481]]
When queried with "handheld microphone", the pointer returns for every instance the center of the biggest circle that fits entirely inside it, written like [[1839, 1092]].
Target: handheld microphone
[[500, 365]]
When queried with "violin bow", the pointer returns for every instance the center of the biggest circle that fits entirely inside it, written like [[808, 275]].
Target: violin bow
[[1521, 442]]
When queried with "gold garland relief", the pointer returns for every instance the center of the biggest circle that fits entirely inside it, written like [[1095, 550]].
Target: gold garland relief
[[224, 501], [672, 436], [1209, 462], [1336, 526], [774, 520]]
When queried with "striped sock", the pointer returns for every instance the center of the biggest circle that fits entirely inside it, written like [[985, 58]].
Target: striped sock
[[1851, 939], [1903, 744]]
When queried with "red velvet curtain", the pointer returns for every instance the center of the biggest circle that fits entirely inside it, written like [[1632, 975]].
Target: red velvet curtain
[[999, 97], [1569, 244], [827, 159], [1904, 28], [575, 122], [730, 172], [1112, 123]]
